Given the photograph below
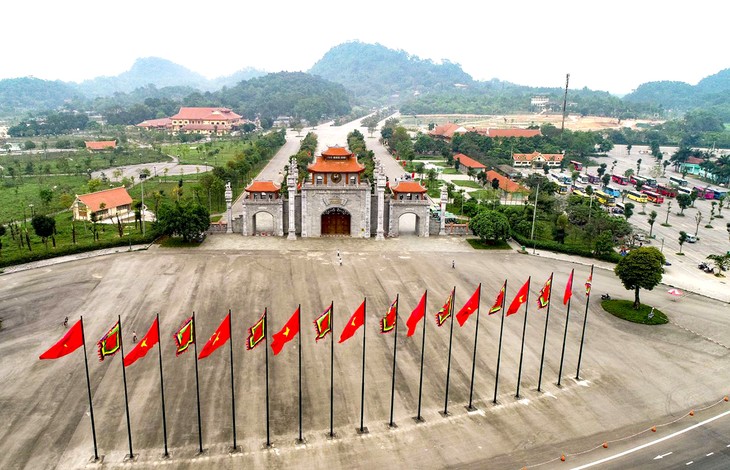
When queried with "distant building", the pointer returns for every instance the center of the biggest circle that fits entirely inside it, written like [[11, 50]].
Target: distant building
[[540, 102], [536, 160], [447, 131], [513, 191], [218, 121], [101, 145], [466, 163], [162, 124], [107, 203], [513, 132]]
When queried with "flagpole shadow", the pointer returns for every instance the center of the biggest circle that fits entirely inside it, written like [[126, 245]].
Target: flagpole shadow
[[234, 450], [96, 461], [331, 436], [392, 425], [362, 431]]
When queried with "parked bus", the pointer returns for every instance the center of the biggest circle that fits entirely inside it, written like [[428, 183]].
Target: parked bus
[[650, 181], [578, 192], [637, 196], [678, 181], [612, 191], [577, 165], [666, 190], [686, 191], [634, 179], [651, 196], [594, 179], [704, 193], [605, 199], [618, 179], [561, 178], [562, 188], [720, 193]]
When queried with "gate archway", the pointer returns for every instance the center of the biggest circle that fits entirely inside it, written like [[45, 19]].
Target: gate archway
[[335, 221], [263, 224], [408, 224]]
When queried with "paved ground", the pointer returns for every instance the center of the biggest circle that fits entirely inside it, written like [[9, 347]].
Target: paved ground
[[632, 375]]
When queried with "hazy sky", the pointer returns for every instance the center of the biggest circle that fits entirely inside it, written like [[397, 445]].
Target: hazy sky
[[612, 46]]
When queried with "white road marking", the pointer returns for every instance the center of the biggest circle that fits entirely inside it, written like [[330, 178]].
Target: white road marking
[[662, 455], [690, 462], [649, 444], [711, 453]]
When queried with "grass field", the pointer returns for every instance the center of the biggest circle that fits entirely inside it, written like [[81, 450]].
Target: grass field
[[216, 153], [468, 184]]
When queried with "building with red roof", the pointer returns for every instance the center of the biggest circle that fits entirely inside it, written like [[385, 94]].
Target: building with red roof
[[336, 165], [513, 132], [265, 190], [408, 190], [466, 163], [447, 131], [101, 145], [217, 121], [156, 124], [537, 159], [106, 203]]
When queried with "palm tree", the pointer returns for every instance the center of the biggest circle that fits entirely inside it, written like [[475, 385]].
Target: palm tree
[[651, 220]]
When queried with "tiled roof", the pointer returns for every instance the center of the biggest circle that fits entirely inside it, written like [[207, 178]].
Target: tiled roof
[[447, 130], [204, 127], [263, 187], [156, 123], [321, 165], [694, 160], [101, 145], [206, 114], [408, 187], [110, 197], [468, 162], [505, 183], [336, 151], [548, 157]]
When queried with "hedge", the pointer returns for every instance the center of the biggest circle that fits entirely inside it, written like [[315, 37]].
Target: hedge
[[551, 245]]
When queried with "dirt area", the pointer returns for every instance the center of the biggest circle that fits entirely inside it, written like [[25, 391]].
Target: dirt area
[[573, 122]]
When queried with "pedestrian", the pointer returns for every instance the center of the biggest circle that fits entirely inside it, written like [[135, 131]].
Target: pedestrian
[[340, 261], [65, 322], [338, 253], [134, 336], [453, 264]]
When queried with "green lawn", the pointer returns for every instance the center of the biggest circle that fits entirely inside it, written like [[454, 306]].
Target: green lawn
[[478, 245], [451, 171], [216, 153], [468, 184], [625, 309]]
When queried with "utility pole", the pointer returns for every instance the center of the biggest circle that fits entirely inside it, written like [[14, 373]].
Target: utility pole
[[142, 177]]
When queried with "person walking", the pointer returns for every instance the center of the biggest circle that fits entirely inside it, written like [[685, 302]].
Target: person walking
[[65, 322], [134, 336], [453, 264]]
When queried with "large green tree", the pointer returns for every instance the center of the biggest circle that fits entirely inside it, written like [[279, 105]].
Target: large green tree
[[43, 226], [490, 226], [641, 269], [186, 219]]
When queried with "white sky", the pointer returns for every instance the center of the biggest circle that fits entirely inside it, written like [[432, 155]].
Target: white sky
[[611, 46]]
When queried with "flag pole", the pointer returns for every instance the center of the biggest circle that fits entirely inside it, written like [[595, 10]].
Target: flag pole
[[124, 379], [233, 397], [423, 348], [395, 350], [266, 347], [544, 337], [474, 354], [448, 361], [585, 320], [363, 430], [565, 333], [162, 388], [88, 387], [524, 328], [299, 321], [499, 348], [197, 386], [332, 369]]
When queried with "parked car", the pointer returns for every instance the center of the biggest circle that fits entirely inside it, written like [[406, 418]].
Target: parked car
[[691, 239]]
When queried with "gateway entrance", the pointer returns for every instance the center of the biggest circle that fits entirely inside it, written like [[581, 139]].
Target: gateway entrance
[[335, 221]]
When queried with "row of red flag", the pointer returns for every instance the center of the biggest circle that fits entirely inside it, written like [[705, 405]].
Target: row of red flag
[[184, 337]]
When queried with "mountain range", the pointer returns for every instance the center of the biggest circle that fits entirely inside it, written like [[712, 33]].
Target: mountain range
[[371, 74]]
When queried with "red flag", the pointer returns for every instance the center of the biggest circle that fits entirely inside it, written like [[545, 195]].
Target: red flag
[[387, 323], [497, 306], [139, 351], [218, 339], [445, 311], [544, 298], [286, 334], [71, 341], [257, 332], [184, 336], [520, 298], [323, 324], [356, 321], [109, 343], [568, 288], [418, 313], [588, 283], [471, 306]]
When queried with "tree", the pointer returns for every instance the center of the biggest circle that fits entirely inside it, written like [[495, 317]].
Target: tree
[[490, 226], [684, 201], [721, 262], [628, 173], [638, 166], [2, 232], [693, 196], [640, 269], [187, 219], [432, 176], [46, 195], [628, 210], [43, 226], [561, 224], [606, 180], [698, 219], [651, 220], [29, 145], [682, 239]]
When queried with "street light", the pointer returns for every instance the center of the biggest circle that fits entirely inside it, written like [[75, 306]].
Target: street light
[[534, 214], [142, 177]]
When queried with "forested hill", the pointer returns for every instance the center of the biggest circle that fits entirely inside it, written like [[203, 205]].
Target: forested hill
[[373, 72], [712, 92], [18, 95]]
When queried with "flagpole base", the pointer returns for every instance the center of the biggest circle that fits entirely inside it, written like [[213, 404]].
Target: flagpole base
[[267, 445], [445, 414], [96, 460], [392, 425], [234, 450], [166, 456], [363, 430], [419, 419], [471, 408], [300, 442], [200, 452], [331, 435], [130, 458]]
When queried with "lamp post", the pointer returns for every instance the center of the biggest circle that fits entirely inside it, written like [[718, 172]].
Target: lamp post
[[534, 214], [142, 177]]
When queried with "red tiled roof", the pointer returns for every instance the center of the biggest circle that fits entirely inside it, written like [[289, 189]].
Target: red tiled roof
[[206, 114], [157, 123], [110, 197], [515, 132], [468, 162], [505, 183], [548, 157], [445, 130], [263, 187], [204, 127], [336, 151], [408, 187], [101, 145], [694, 160]]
